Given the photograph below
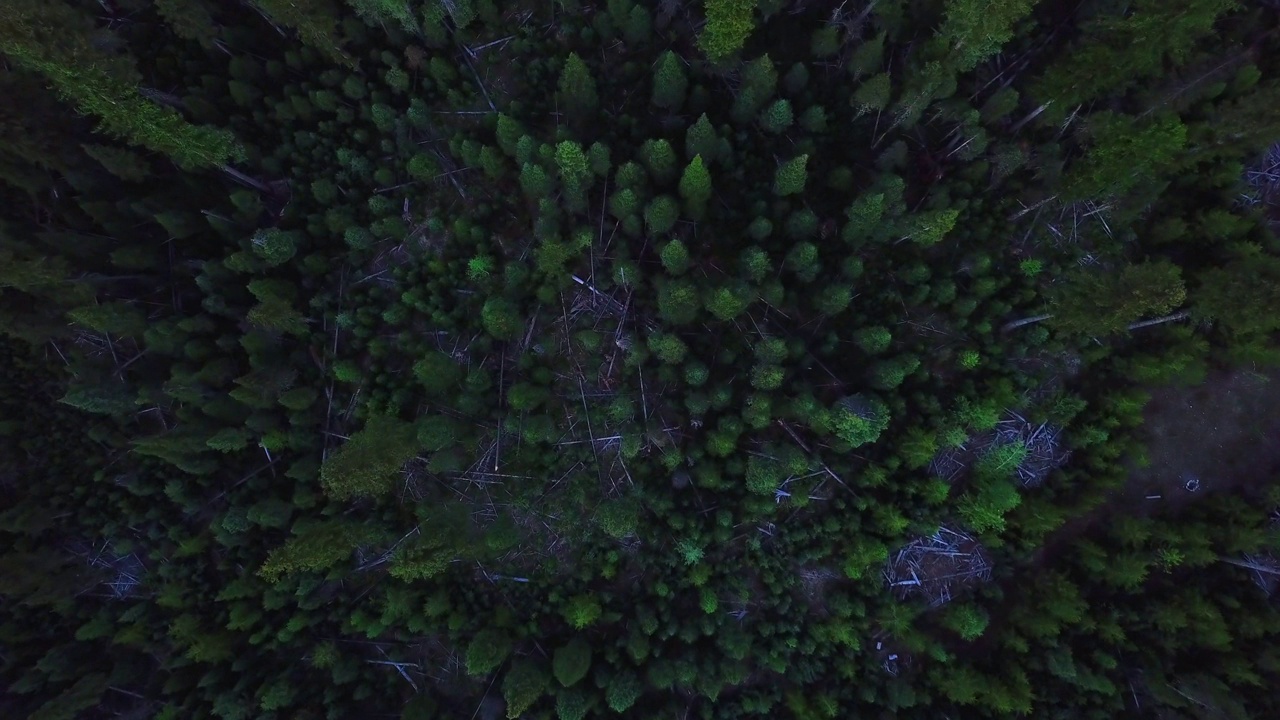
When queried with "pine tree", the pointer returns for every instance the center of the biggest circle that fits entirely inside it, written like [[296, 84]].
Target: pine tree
[[316, 22], [55, 41], [678, 302], [729, 301], [1123, 155], [369, 463], [275, 246], [189, 19], [701, 140], [859, 419], [524, 683], [791, 175], [501, 318], [573, 704], [675, 257], [974, 30], [872, 95], [315, 549], [395, 12], [578, 89], [572, 661], [695, 188], [1243, 294], [659, 157], [1120, 50], [437, 373], [669, 82], [623, 690], [114, 317], [777, 118], [660, 215], [729, 22], [1101, 303], [486, 651]]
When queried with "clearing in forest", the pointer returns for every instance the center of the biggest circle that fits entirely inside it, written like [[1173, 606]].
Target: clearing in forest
[[1221, 434]]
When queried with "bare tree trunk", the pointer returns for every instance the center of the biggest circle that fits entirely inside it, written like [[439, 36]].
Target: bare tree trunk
[[1257, 567], [1025, 321], [1180, 315], [243, 179], [164, 98], [1026, 210], [1029, 117]]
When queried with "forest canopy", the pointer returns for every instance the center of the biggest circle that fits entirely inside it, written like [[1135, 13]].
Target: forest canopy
[[574, 359]]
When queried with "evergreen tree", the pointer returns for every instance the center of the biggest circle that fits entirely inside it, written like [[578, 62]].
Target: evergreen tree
[[189, 19], [701, 140], [315, 549], [975, 30], [1101, 303], [791, 175], [51, 39], [369, 463], [669, 82], [729, 22], [1241, 295], [572, 661], [695, 188], [578, 89], [524, 683], [316, 22], [487, 651]]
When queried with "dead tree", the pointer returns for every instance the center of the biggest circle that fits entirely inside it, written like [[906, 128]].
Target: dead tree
[[934, 567], [1044, 451], [1265, 570]]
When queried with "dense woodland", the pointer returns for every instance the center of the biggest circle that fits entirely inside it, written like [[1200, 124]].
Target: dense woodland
[[653, 359]]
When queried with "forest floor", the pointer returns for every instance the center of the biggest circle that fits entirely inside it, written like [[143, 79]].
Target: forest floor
[[1221, 434]]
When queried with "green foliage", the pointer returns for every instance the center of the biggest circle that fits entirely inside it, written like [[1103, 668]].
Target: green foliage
[[695, 185], [1239, 295], [578, 88], [433, 356], [661, 215], [675, 257], [617, 518], [729, 22], [729, 301], [571, 662], [524, 683], [659, 157], [487, 651], [1100, 303], [437, 373], [669, 82], [316, 549], [859, 420], [369, 463], [701, 140], [1123, 155], [622, 691], [501, 318], [975, 30], [668, 348], [791, 175], [275, 246], [777, 117], [873, 340], [678, 302]]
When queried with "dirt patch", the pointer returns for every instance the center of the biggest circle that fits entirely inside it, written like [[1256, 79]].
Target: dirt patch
[[1219, 435]]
